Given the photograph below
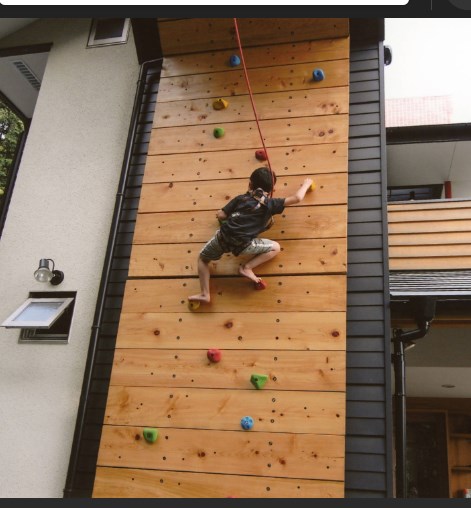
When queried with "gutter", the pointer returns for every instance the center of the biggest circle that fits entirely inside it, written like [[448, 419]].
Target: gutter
[[105, 280], [424, 314]]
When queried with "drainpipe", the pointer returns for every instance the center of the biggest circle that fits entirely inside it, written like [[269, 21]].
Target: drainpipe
[[105, 279], [425, 312]]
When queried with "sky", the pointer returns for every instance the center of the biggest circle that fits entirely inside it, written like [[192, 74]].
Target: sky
[[431, 57]]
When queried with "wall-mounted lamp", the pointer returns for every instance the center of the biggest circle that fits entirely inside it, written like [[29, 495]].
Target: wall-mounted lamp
[[45, 274]]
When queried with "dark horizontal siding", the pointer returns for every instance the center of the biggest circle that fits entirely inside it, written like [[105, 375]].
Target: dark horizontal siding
[[96, 402], [367, 461]]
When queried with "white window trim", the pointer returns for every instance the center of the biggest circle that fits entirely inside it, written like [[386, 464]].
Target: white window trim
[[11, 322]]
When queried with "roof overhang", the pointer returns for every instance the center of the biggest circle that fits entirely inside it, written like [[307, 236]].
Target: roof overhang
[[441, 285]]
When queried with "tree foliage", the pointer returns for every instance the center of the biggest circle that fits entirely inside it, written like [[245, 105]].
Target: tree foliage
[[11, 128]]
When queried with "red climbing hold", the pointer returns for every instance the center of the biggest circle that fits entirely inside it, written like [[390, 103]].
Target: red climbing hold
[[261, 155], [214, 355], [260, 285]]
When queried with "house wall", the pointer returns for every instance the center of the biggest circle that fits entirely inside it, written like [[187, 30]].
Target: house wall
[[61, 208], [161, 376], [368, 457], [430, 235]]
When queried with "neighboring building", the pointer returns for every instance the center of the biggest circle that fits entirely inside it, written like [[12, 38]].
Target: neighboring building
[[107, 118], [418, 111]]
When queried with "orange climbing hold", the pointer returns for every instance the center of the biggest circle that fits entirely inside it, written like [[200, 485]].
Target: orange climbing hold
[[194, 304]]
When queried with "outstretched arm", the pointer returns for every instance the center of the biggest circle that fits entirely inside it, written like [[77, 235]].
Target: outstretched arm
[[298, 196]]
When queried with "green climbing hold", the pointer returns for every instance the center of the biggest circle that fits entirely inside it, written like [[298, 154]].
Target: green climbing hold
[[150, 435], [258, 380], [218, 132]]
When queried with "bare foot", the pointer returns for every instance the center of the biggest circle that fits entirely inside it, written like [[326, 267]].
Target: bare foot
[[247, 272], [199, 298]]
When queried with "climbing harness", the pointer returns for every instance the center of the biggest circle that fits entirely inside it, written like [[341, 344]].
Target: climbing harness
[[260, 196], [253, 102]]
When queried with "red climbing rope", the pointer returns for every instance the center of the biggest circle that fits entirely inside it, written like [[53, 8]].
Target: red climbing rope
[[253, 103]]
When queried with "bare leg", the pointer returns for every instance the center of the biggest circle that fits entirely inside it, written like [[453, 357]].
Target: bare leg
[[204, 274], [247, 269]]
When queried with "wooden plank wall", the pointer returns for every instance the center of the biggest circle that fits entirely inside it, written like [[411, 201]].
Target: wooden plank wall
[[294, 331], [430, 235]]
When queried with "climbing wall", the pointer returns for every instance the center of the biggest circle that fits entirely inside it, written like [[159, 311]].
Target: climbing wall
[[293, 332]]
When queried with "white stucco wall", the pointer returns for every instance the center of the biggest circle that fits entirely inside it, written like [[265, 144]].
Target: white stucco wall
[[61, 208]]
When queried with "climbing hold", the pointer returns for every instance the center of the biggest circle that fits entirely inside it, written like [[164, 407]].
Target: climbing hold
[[318, 75], [194, 304], [246, 423], [222, 221], [258, 380], [234, 60], [312, 187], [218, 132], [260, 285], [150, 435], [220, 104], [214, 355], [261, 155]]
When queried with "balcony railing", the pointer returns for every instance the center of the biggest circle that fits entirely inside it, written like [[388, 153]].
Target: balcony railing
[[430, 235]]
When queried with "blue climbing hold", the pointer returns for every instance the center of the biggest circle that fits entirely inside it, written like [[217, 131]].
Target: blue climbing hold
[[246, 422], [234, 60], [318, 75]]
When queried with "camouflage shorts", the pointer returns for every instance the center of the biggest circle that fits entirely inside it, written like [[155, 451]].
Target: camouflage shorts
[[213, 250]]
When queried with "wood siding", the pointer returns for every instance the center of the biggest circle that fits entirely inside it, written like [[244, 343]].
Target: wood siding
[[430, 235], [161, 376], [198, 35], [368, 460]]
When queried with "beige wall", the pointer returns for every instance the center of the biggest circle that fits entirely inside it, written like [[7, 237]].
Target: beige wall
[[61, 208]]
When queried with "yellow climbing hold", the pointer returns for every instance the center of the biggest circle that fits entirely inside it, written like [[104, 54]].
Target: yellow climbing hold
[[220, 104], [194, 304], [312, 187]]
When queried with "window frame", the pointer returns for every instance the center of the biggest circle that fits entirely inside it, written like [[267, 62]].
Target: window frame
[[123, 39], [12, 322]]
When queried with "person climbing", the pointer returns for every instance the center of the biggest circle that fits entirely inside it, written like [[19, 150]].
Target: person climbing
[[242, 219]]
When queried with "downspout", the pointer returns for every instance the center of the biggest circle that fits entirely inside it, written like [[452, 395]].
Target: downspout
[[425, 313], [105, 279]]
